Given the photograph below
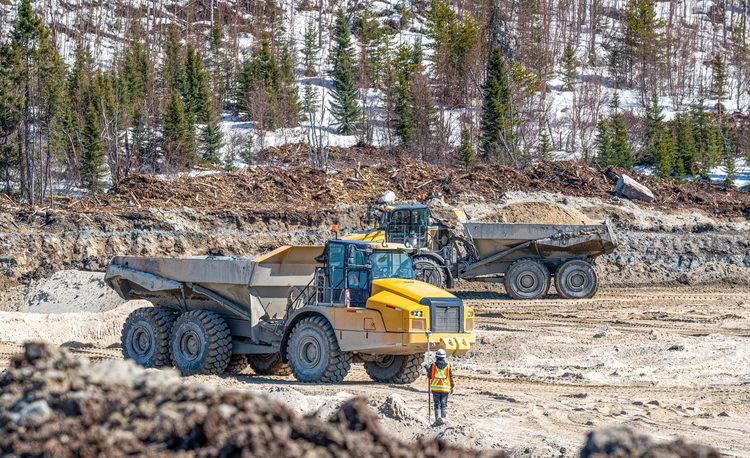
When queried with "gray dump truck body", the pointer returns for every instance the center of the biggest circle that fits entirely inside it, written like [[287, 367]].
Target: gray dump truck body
[[243, 290], [497, 245]]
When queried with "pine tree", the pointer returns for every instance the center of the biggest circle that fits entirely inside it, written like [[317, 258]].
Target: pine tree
[[719, 81], [604, 144], [714, 150], [622, 153], [653, 130], [570, 72], [497, 112], [92, 157], [466, 156], [344, 107], [310, 49]]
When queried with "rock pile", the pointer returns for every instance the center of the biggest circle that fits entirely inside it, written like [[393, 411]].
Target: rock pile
[[55, 405]]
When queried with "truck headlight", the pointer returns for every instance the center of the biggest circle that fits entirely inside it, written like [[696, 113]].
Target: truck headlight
[[416, 313], [469, 314]]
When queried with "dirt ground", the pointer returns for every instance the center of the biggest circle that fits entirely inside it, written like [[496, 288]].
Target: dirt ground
[[667, 362]]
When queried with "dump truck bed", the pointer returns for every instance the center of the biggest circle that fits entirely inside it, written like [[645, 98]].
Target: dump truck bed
[[247, 289], [499, 244]]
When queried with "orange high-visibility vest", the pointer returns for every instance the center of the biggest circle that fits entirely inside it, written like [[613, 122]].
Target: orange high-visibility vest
[[440, 379]]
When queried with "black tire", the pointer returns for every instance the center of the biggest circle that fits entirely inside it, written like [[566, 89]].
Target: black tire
[[314, 354], [576, 279], [400, 369], [527, 279], [146, 334], [201, 343], [428, 270], [268, 364], [237, 364]]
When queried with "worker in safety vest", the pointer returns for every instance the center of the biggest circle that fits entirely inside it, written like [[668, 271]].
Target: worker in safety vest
[[441, 385]]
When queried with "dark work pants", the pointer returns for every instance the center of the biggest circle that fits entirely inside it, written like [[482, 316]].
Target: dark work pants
[[440, 400]]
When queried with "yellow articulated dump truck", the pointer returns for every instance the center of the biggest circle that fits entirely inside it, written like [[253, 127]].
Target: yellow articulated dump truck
[[310, 309]]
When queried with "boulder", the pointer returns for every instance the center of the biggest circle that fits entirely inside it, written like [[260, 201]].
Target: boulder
[[387, 198], [628, 187]]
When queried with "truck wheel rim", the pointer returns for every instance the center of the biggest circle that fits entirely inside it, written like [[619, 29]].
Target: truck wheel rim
[[310, 352], [577, 280], [527, 281], [190, 345], [141, 341], [386, 362]]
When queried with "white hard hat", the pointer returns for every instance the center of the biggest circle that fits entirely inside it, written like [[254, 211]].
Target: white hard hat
[[440, 353]]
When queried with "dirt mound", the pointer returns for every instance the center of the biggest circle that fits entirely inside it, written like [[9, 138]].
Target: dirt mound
[[623, 442], [53, 404], [539, 213], [71, 291]]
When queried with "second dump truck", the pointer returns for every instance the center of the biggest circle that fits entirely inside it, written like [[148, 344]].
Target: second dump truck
[[524, 257], [310, 310]]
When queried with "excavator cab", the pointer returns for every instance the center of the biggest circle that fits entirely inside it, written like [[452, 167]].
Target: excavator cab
[[407, 224]]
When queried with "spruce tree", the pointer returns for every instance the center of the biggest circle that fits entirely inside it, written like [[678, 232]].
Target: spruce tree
[[570, 72], [747, 145], [665, 154], [497, 111], [653, 129], [92, 157], [604, 144], [466, 156], [310, 100], [545, 148], [177, 139], [686, 150], [719, 81], [173, 66], [288, 94], [714, 150], [246, 153], [344, 107], [404, 120], [727, 154], [622, 153], [211, 141], [195, 91], [310, 49]]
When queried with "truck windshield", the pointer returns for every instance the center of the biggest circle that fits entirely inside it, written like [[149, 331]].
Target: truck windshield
[[391, 264]]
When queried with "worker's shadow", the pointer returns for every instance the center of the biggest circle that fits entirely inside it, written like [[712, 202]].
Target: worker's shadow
[[253, 379]]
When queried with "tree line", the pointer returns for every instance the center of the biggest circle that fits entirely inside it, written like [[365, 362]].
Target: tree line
[[476, 88]]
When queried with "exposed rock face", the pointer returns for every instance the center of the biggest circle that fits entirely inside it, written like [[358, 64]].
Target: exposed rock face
[[628, 187]]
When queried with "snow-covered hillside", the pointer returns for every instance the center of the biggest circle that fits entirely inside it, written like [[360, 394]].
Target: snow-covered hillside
[[533, 34]]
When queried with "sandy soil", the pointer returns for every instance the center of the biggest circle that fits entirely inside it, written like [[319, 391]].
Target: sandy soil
[[668, 362]]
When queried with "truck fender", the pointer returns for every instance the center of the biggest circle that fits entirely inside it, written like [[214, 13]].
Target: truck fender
[[296, 318]]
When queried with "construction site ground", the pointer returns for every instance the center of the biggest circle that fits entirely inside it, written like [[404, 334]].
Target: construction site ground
[[662, 348], [665, 361]]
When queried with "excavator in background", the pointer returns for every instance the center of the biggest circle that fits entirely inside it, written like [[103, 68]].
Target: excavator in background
[[526, 258]]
